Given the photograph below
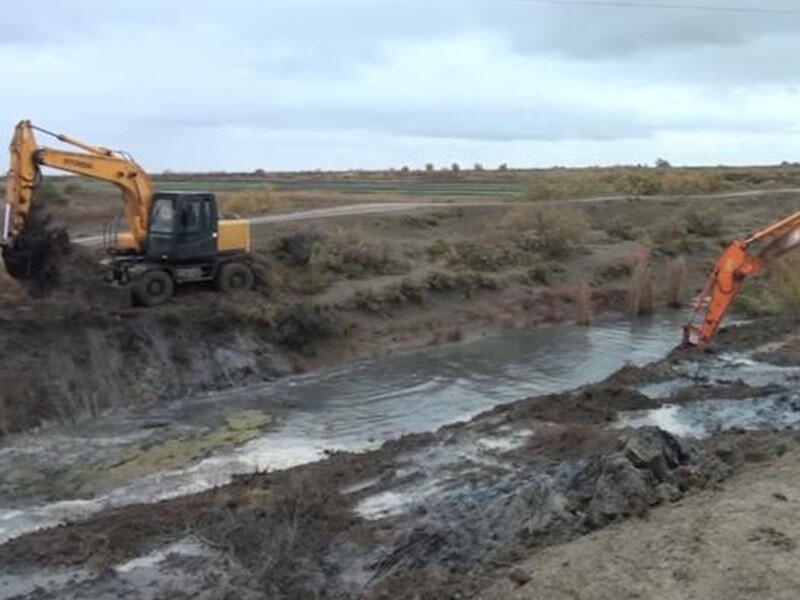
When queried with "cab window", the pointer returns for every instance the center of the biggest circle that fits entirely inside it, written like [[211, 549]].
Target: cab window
[[191, 219], [162, 217]]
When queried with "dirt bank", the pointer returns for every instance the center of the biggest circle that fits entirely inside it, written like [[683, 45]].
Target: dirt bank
[[448, 513], [325, 294]]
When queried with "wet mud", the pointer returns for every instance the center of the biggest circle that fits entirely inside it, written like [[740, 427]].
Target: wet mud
[[442, 514]]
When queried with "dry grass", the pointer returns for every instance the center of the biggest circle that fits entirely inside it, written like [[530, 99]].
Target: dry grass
[[583, 303], [782, 289], [676, 276], [640, 292], [251, 201], [556, 232], [557, 184], [351, 252]]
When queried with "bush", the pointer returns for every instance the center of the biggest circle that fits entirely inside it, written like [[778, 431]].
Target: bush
[[538, 274], [349, 252], [707, 223], [583, 303], [676, 274], [250, 201], [638, 183], [783, 288], [481, 256], [298, 326], [47, 194], [640, 292], [296, 249], [73, 188], [464, 282], [621, 229], [670, 234]]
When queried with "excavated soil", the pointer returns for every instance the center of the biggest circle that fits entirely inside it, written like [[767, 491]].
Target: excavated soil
[[437, 515]]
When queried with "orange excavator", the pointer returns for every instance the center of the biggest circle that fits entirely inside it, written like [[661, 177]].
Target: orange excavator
[[742, 259]]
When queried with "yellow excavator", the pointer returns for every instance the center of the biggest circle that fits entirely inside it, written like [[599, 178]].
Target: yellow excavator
[[173, 237]]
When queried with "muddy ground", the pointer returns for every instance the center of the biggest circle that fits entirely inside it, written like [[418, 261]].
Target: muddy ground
[[351, 288], [501, 506], [456, 513]]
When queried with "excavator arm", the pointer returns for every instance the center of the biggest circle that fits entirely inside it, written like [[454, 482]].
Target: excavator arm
[[742, 259], [95, 161]]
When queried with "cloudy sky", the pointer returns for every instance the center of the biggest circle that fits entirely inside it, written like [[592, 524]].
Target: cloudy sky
[[302, 84]]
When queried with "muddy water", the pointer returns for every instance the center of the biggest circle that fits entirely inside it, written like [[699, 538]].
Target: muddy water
[[71, 472]]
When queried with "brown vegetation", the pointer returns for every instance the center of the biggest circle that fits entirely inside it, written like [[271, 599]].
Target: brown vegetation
[[583, 303], [676, 275], [250, 201], [640, 292]]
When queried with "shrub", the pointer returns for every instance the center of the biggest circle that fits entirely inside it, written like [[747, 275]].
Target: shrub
[[73, 188], [583, 303], [537, 190], [640, 292], [556, 232], [670, 234], [464, 282], [502, 167], [621, 229], [296, 249], [47, 194], [676, 274], [477, 167], [349, 252], [429, 167], [561, 230], [250, 201], [783, 287], [298, 326], [638, 183], [538, 274], [707, 223], [481, 256], [279, 535]]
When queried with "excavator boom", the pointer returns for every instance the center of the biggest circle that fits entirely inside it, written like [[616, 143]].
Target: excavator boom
[[738, 261], [96, 162]]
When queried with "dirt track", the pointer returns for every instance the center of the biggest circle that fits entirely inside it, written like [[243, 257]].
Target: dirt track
[[366, 208]]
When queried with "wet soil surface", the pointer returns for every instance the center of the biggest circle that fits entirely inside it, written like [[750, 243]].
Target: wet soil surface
[[440, 514]]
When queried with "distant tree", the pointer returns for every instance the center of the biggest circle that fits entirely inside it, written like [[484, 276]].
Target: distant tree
[[662, 163], [503, 167], [477, 167], [429, 167], [404, 169], [259, 173], [455, 168]]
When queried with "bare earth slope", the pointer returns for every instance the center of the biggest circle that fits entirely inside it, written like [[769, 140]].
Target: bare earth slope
[[734, 543]]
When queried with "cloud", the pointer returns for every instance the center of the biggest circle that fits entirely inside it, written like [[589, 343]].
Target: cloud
[[472, 76]]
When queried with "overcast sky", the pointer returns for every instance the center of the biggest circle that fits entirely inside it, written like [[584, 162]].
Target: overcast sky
[[301, 84]]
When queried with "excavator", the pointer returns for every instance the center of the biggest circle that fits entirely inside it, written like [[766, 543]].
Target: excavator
[[173, 237], [740, 260]]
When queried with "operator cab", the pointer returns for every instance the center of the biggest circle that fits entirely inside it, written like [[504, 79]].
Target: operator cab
[[183, 227]]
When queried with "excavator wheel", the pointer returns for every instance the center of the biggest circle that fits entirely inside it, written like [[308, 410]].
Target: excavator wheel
[[234, 276], [153, 287]]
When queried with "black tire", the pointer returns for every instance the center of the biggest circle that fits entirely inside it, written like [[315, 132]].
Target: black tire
[[234, 277], [153, 287]]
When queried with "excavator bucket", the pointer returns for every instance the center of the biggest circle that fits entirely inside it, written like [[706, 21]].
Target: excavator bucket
[[35, 254]]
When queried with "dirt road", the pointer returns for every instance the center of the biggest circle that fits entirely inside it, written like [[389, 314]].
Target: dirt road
[[352, 210]]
